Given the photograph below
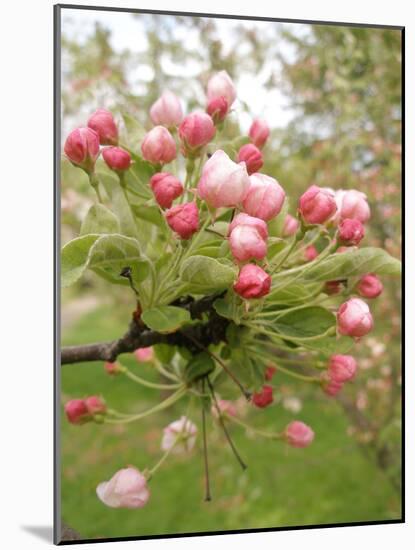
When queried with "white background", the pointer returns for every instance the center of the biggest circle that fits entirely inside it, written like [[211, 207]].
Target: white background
[[26, 271]]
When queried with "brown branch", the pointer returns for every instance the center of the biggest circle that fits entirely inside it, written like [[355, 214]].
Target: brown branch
[[139, 336]]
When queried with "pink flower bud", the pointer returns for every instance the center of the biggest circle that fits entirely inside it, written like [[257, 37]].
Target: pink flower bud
[[166, 188], [259, 133], [102, 121], [310, 253], [370, 286], [263, 398], [183, 219], [252, 157], [112, 368], [144, 355], [223, 182], [352, 204], [354, 318], [221, 85], [256, 223], [196, 130], [95, 405], [158, 146], [269, 372], [351, 232], [117, 159], [331, 387], [247, 244], [225, 407], [167, 111], [265, 197], [298, 434], [252, 282], [126, 489], [217, 108], [82, 148], [180, 434], [342, 368], [332, 287], [317, 205], [77, 411], [291, 226]]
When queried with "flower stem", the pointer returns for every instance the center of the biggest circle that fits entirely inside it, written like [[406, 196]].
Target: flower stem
[[269, 435], [205, 453], [148, 384]]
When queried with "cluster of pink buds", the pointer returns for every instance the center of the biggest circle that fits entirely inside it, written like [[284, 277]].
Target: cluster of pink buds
[[341, 369], [79, 411]]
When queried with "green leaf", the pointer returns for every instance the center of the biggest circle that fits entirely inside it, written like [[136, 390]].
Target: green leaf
[[74, 258], [294, 293], [355, 262], [149, 214], [306, 322], [204, 274], [164, 352], [199, 366], [100, 220], [330, 344], [165, 319], [119, 204]]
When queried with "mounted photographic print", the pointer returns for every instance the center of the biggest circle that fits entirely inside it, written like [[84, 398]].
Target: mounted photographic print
[[228, 322]]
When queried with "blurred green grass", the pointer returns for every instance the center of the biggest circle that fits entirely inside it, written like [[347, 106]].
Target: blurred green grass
[[330, 482]]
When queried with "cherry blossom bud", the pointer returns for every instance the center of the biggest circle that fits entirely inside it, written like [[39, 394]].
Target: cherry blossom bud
[[269, 372], [354, 318], [223, 182], [77, 411], [252, 282], [225, 408], [263, 398], [351, 232], [331, 387], [342, 368], [265, 197], [196, 131], [317, 205], [291, 226], [126, 489], [180, 434], [221, 85], [370, 286], [246, 244], [82, 148], [251, 221], [183, 219], [332, 287], [113, 368], [95, 405], [217, 108], [352, 204], [252, 157], [167, 111], [310, 253], [298, 434], [166, 188], [117, 159], [259, 133], [102, 121], [144, 355], [158, 146]]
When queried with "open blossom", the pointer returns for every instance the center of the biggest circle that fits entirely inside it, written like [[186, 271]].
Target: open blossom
[[166, 188], [217, 108], [291, 226], [82, 148], [223, 182], [180, 434], [183, 219], [196, 131], [317, 205], [225, 407], [117, 159], [259, 133], [102, 121], [144, 354], [352, 204], [126, 489], [298, 434], [158, 146], [351, 232], [354, 318], [263, 398], [167, 111], [265, 197], [342, 368], [221, 85], [252, 157], [95, 405], [370, 286], [252, 282], [77, 411]]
